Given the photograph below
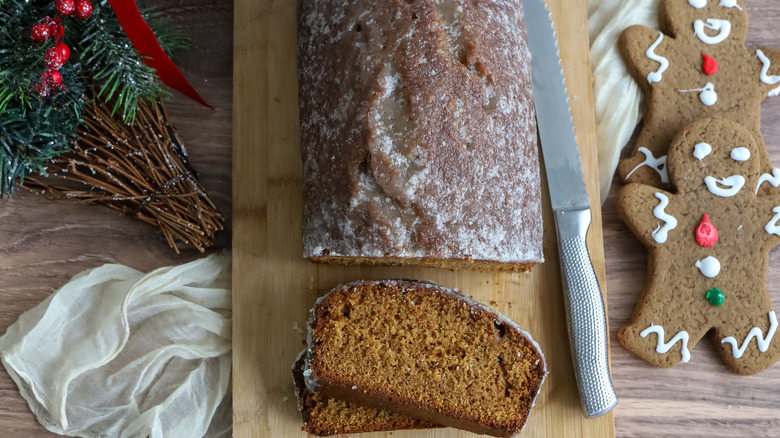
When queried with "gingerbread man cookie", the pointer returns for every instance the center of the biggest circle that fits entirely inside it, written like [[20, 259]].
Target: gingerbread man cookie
[[696, 67], [708, 244]]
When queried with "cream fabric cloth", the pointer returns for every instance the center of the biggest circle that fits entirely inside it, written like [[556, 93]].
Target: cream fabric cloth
[[116, 353], [617, 96]]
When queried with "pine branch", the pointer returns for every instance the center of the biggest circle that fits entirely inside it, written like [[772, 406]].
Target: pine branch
[[21, 62], [30, 138], [33, 130], [172, 38], [110, 59]]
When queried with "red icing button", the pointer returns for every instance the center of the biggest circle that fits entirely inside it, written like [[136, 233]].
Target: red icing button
[[706, 234], [710, 65]]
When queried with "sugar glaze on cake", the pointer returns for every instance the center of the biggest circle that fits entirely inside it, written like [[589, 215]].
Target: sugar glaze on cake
[[418, 133]]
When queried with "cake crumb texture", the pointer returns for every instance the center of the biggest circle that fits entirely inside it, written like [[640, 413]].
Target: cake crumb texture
[[425, 351], [325, 416]]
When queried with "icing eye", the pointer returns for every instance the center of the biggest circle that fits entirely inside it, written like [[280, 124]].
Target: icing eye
[[740, 154], [701, 150], [698, 4], [725, 3]]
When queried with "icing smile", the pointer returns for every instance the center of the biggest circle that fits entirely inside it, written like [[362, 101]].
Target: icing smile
[[725, 187], [723, 27]]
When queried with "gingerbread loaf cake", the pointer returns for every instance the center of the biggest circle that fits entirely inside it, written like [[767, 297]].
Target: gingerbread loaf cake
[[325, 416], [418, 134], [426, 352]]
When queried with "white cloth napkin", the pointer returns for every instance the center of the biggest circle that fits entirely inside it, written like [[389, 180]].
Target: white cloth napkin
[[617, 96], [116, 353]]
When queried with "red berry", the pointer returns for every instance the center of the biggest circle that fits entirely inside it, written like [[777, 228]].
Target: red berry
[[53, 59], [49, 83], [40, 33], [64, 52], [42, 87], [65, 7], [83, 9], [709, 65], [53, 77], [41, 90], [55, 29]]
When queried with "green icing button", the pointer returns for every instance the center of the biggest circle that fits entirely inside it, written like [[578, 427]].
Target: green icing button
[[715, 296]]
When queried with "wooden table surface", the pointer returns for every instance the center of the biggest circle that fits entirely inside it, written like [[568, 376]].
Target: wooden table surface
[[700, 398], [42, 245]]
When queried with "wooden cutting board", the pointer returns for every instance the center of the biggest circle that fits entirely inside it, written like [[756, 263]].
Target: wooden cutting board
[[274, 287]]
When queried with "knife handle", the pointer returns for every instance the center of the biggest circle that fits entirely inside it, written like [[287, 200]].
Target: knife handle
[[585, 314]]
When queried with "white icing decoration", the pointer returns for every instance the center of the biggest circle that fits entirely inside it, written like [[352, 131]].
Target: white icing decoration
[[773, 178], [722, 26], [761, 341], [769, 80], [771, 226], [707, 95], [657, 164], [698, 4], [663, 347], [657, 75], [709, 267], [733, 185], [702, 150], [740, 154], [670, 222], [730, 4]]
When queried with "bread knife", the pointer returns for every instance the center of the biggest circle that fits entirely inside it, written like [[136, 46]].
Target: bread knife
[[585, 312]]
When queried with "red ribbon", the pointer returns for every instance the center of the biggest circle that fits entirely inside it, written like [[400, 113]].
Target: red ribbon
[[145, 42]]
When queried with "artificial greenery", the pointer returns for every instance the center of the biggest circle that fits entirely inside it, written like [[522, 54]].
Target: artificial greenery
[[34, 129], [105, 50]]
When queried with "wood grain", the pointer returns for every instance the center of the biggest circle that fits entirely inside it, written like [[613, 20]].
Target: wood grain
[[43, 244], [274, 287], [700, 398]]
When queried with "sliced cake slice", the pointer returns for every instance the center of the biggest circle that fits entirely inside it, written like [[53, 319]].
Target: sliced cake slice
[[325, 416], [424, 351]]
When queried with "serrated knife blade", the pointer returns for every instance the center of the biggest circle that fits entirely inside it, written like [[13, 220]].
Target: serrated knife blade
[[585, 311]]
